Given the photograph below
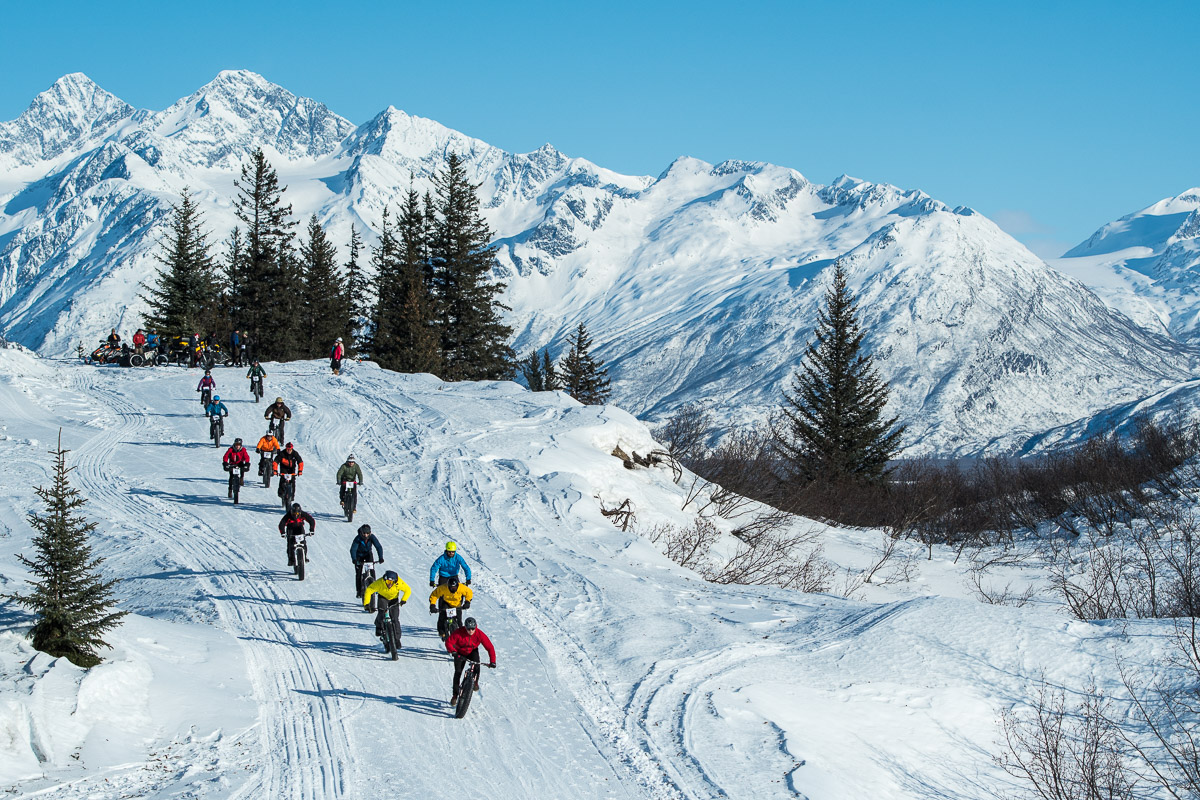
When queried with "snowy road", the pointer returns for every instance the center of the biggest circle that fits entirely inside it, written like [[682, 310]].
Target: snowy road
[[621, 675]]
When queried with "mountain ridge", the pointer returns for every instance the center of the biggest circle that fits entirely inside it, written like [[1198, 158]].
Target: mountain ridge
[[699, 285]]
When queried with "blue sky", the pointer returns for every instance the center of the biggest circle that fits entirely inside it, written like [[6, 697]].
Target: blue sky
[[1051, 117]]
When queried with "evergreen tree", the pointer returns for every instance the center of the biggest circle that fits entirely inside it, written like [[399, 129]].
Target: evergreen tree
[[551, 380], [584, 376], [270, 280], [73, 603], [832, 427], [531, 371], [474, 339], [185, 295], [417, 335], [357, 287], [326, 302], [389, 301]]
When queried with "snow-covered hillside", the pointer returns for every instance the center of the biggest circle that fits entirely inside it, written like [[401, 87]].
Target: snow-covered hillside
[[620, 674], [700, 285], [1147, 264]]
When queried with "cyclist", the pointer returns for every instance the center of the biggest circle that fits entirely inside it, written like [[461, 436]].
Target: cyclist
[[444, 598], [335, 356], [464, 644], [267, 447], [217, 410], [360, 551], [347, 472], [447, 564], [288, 462], [236, 457], [206, 386], [256, 371], [292, 525], [397, 593], [278, 413]]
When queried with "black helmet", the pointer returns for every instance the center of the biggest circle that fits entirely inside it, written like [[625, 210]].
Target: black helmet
[[470, 624], [452, 584], [364, 529], [237, 442], [391, 576], [295, 508]]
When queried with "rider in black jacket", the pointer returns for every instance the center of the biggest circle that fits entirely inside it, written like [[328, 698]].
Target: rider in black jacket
[[360, 551], [292, 525]]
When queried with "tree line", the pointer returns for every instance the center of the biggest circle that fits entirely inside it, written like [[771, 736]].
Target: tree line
[[428, 307]]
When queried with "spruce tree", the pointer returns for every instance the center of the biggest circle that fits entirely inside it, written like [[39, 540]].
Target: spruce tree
[[73, 603], [267, 294], [184, 296], [584, 376], [551, 381], [389, 300], [832, 428], [418, 349], [531, 371], [474, 338], [357, 288], [326, 303]]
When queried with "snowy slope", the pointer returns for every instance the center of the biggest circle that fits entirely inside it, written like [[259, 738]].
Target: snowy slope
[[699, 285], [621, 675], [1146, 264]]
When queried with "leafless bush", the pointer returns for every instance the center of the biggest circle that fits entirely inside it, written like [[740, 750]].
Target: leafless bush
[[771, 557], [1007, 596], [622, 515], [685, 434], [1067, 752]]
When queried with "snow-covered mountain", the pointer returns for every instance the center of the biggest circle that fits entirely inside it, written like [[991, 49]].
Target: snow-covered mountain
[[1147, 264], [699, 285]]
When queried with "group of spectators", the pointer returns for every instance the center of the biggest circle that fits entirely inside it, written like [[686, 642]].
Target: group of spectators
[[199, 348]]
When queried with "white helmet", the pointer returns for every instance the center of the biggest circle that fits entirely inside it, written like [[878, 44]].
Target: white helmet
[[339, 338]]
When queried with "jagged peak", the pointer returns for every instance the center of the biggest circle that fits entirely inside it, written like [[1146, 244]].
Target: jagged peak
[[78, 96]]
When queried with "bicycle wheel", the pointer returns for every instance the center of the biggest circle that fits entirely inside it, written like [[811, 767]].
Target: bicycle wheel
[[465, 690], [237, 485], [300, 553], [389, 637]]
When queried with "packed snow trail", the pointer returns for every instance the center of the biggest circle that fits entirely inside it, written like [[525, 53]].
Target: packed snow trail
[[338, 717], [620, 675]]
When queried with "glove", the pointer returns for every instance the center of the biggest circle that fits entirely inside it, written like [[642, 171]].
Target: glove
[[380, 561], [402, 602], [431, 583], [492, 665], [467, 581], [466, 604], [432, 608]]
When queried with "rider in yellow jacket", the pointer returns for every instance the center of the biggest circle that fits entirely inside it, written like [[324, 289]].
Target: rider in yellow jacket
[[395, 591], [450, 595]]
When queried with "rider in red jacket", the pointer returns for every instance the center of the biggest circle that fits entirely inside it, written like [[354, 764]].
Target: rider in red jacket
[[236, 455], [464, 644]]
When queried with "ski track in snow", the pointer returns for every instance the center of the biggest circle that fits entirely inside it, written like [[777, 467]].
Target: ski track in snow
[[330, 701]]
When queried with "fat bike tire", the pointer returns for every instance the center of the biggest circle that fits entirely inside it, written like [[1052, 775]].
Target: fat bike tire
[[464, 695]]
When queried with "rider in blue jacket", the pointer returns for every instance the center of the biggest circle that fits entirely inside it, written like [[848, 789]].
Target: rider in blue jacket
[[447, 564], [216, 407], [360, 548]]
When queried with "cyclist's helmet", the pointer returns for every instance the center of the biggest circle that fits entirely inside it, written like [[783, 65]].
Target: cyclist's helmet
[[452, 584], [451, 547], [296, 508], [269, 432], [350, 458], [365, 530], [237, 442], [278, 399], [255, 362], [208, 372], [470, 624], [216, 398], [288, 446], [390, 576], [339, 338]]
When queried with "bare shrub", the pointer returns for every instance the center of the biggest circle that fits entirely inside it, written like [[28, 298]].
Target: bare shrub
[[685, 434], [1067, 752], [622, 515]]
